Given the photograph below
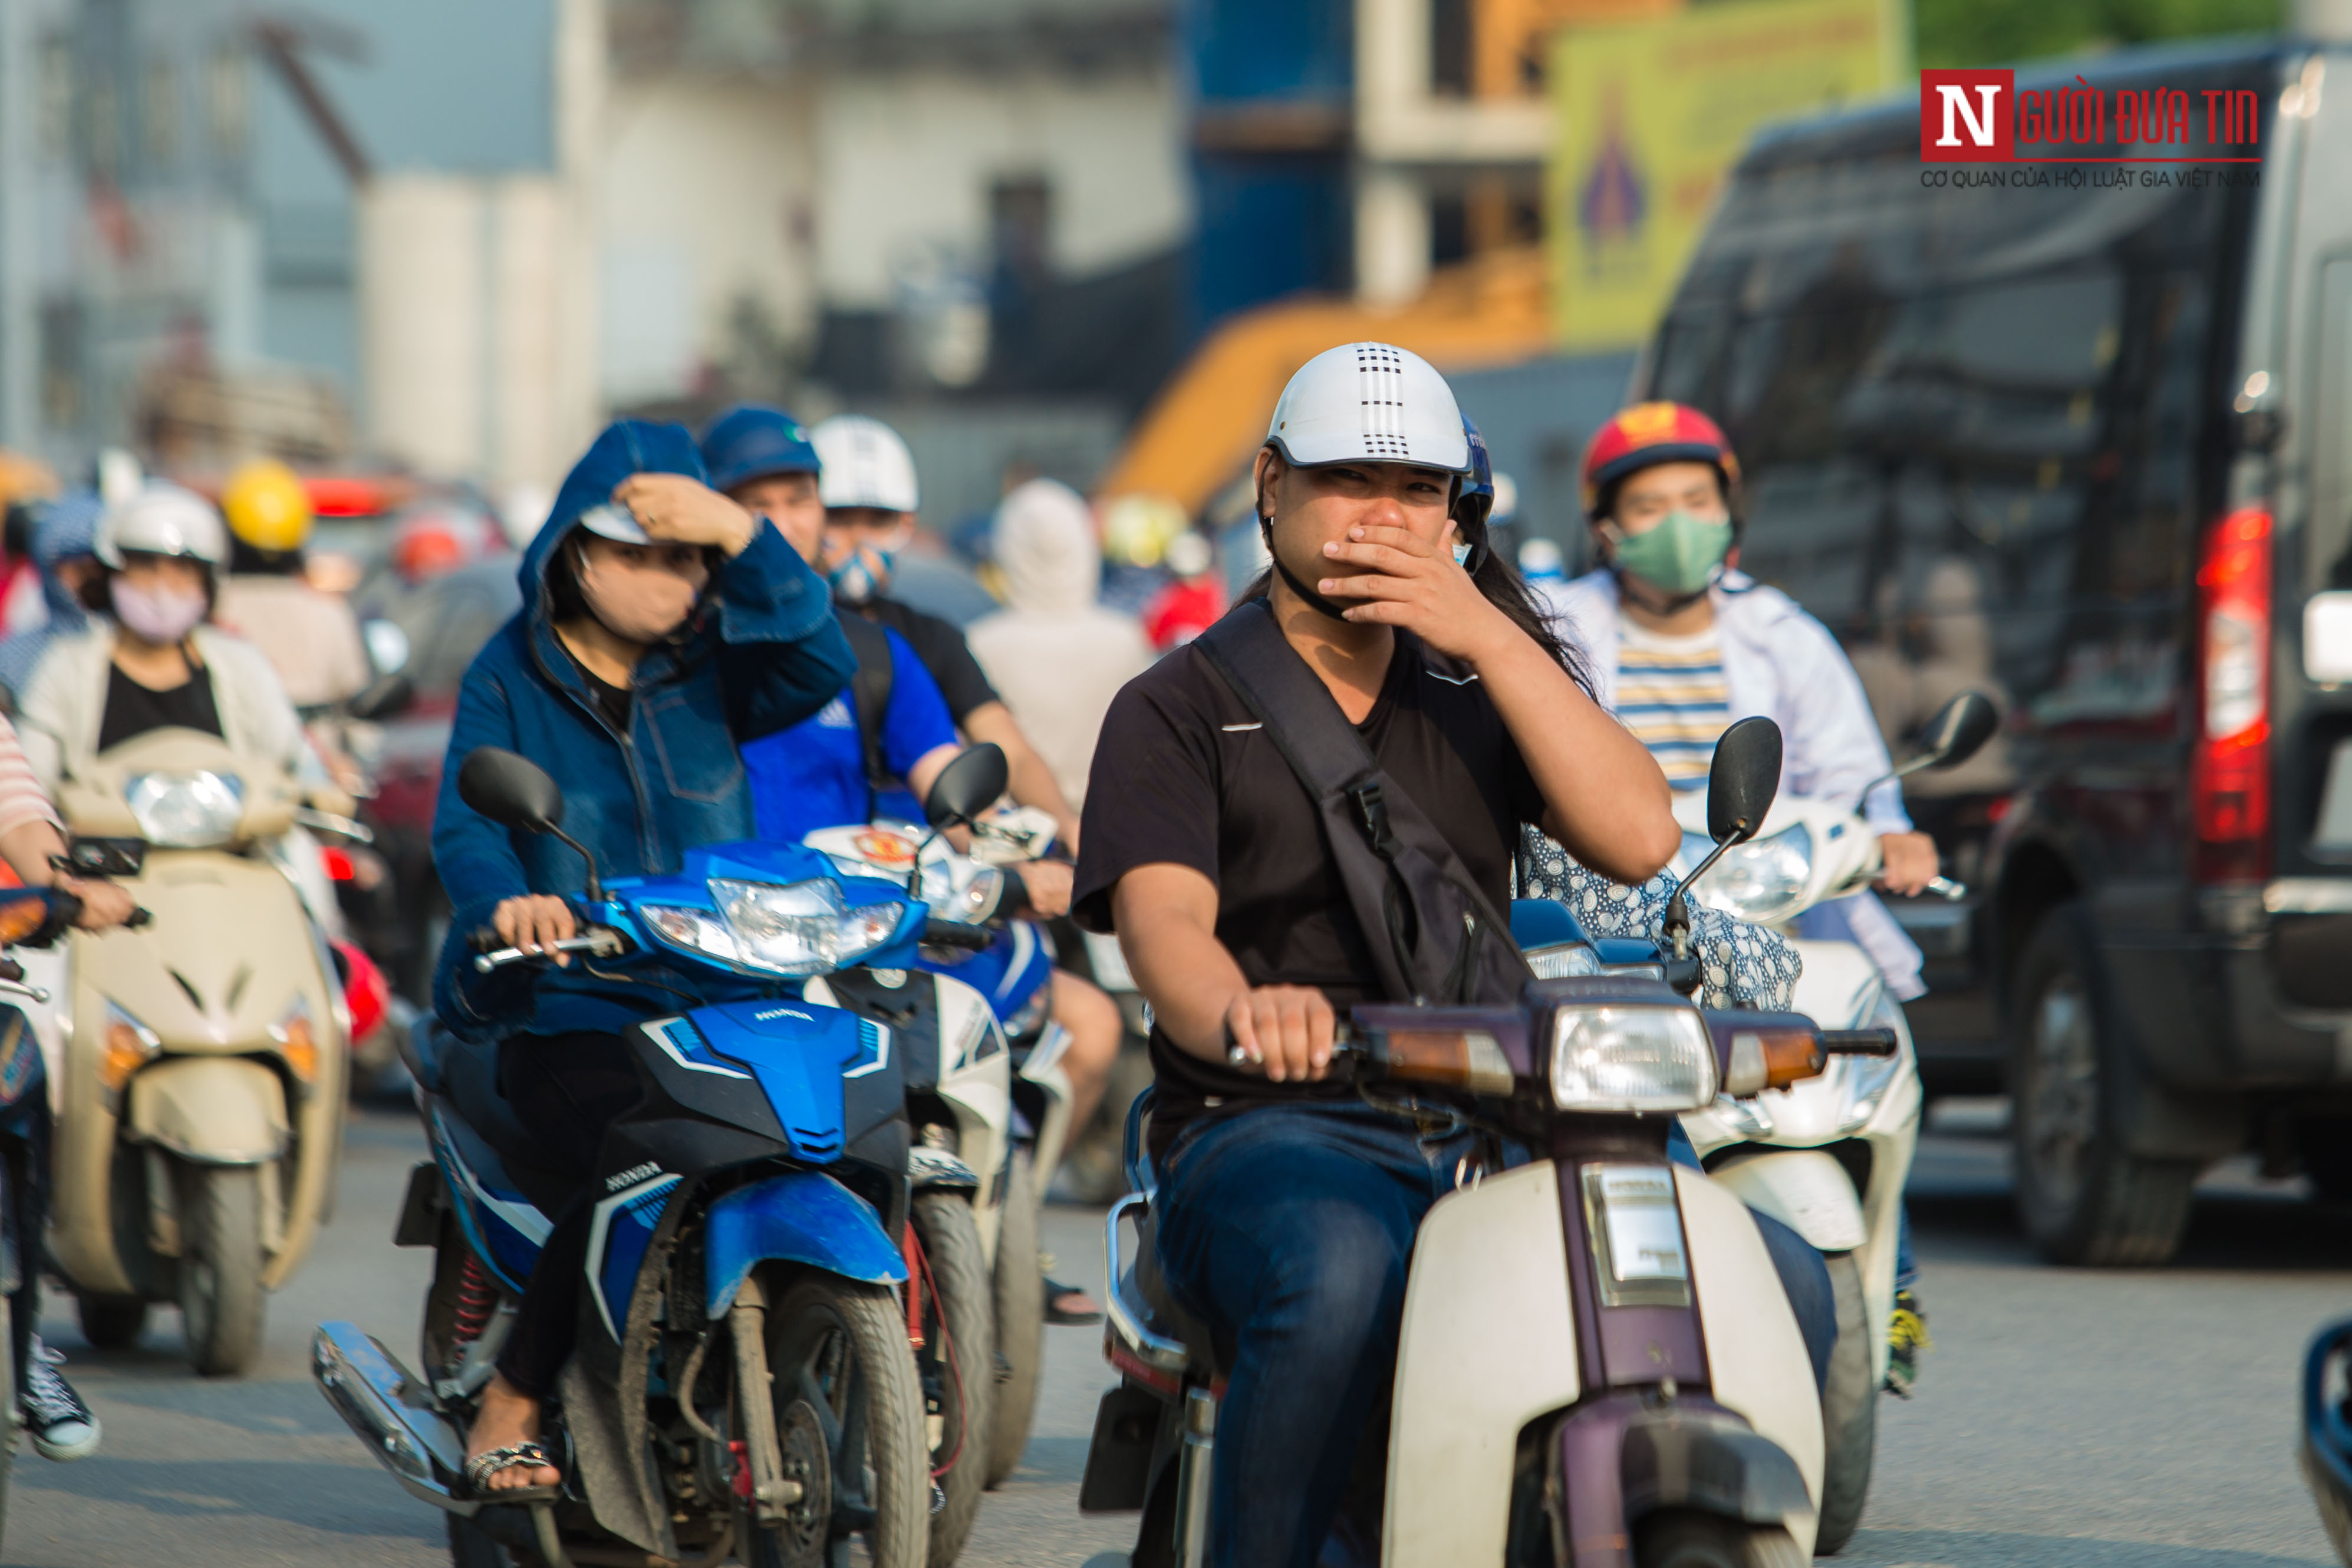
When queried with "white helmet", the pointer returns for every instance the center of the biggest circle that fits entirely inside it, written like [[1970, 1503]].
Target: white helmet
[[864, 464], [159, 518], [1369, 403]]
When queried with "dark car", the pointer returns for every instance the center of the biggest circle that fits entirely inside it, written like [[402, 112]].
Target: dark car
[[2083, 442]]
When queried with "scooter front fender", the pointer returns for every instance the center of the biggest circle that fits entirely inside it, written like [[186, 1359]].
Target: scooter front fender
[[1805, 1189], [214, 1111], [801, 1216]]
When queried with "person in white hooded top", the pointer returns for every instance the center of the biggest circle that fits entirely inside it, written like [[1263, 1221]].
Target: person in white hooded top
[[1056, 654]]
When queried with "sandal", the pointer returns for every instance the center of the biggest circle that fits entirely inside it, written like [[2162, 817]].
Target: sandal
[[490, 1462], [1064, 1317]]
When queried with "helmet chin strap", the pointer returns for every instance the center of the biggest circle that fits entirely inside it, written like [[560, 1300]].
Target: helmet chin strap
[[1315, 601], [1674, 603]]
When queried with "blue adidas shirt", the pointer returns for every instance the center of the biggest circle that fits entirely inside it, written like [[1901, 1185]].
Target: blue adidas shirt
[[812, 776]]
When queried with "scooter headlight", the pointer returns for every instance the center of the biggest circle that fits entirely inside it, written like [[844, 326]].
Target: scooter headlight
[[1561, 961], [1762, 880], [1630, 1058], [194, 809], [779, 928]]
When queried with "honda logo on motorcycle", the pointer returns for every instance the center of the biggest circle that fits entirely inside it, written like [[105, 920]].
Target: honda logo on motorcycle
[[1965, 116]]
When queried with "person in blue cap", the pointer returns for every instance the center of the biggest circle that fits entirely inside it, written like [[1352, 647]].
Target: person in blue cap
[[662, 627], [875, 749], [65, 553]]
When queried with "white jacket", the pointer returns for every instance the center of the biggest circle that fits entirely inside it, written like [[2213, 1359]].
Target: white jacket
[[1055, 654], [64, 704], [1782, 664]]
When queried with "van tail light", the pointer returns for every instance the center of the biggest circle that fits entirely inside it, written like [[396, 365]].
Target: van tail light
[[2230, 777]]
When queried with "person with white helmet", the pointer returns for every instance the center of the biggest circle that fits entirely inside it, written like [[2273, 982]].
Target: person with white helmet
[[1286, 1209], [867, 482], [152, 658]]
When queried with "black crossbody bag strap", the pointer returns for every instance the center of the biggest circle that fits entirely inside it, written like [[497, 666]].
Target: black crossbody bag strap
[[869, 693], [1445, 939]]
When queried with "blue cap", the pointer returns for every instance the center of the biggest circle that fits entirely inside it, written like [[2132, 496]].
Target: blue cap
[[751, 441]]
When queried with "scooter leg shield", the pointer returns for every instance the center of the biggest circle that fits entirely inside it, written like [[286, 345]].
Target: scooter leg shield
[[1755, 1352], [1488, 1344]]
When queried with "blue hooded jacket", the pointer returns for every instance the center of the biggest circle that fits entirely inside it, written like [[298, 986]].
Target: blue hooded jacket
[[761, 653]]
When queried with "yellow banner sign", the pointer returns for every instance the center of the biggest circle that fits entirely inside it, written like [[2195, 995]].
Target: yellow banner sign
[[1651, 116]]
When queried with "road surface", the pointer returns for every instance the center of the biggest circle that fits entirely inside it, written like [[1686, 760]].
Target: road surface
[[2140, 1419]]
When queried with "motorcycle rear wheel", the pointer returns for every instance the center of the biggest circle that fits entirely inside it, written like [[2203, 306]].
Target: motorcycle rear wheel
[[1682, 1538], [842, 1347], [1020, 1322], [112, 1322], [471, 1547]]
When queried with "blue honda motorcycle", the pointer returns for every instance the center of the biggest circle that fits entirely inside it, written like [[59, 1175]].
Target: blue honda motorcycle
[[745, 1385]]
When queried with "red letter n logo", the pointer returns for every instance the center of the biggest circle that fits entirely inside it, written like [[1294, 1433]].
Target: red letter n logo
[[1966, 116]]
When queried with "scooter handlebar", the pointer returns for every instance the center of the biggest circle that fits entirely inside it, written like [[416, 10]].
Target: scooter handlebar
[[1878, 1042], [602, 941], [938, 933]]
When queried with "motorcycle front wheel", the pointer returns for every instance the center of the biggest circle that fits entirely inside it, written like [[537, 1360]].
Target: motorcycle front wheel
[[220, 1266], [957, 1362], [1682, 1538], [1849, 1411], [844, 1386], [1020, 1322]]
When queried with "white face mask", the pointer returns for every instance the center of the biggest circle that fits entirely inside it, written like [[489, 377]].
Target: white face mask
[[160, 615], [647, 606]]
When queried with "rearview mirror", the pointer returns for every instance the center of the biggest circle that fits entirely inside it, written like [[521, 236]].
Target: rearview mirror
[[510, 790], [382, 698], [1743, 779], [967, 787], [1959, 730]]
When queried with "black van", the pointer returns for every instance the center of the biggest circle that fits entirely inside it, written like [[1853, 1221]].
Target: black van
[[2087, 445]]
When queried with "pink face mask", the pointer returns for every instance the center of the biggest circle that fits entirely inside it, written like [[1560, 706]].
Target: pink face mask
[[160, 615]]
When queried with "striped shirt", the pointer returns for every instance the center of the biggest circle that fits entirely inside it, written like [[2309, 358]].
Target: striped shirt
[[1671, 695]]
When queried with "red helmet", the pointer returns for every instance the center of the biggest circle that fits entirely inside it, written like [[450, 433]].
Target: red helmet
[[1649, 434]]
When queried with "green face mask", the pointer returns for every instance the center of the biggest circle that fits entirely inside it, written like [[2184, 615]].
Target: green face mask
[[1679, 555]]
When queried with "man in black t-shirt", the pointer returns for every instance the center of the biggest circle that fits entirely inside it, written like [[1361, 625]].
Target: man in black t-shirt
[[1286, 1211]]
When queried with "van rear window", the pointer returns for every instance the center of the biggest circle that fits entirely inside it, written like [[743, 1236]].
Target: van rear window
[[1967, 417]]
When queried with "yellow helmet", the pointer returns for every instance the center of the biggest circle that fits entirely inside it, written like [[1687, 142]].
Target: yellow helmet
[[267, 506]]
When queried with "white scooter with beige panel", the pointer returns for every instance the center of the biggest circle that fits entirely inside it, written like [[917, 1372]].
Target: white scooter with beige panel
[[1829, 1156], [201, 1123], [1598, 1366]]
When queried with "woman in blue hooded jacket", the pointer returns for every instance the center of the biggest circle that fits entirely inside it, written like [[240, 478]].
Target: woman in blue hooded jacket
[[663, 626]]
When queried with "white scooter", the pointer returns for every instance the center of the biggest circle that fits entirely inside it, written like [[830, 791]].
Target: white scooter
[[1012, 1166], [1829, 1156], [1597, 1363]]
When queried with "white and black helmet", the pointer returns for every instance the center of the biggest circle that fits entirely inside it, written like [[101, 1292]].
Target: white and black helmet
[[1369, 403], [161, 519], [864, 463]]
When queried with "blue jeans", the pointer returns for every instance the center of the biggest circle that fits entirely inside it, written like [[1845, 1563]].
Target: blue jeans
[[1288, 1230]]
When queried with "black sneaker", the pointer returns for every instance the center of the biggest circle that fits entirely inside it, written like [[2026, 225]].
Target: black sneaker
[[1908, 1332], [60, 1423]]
